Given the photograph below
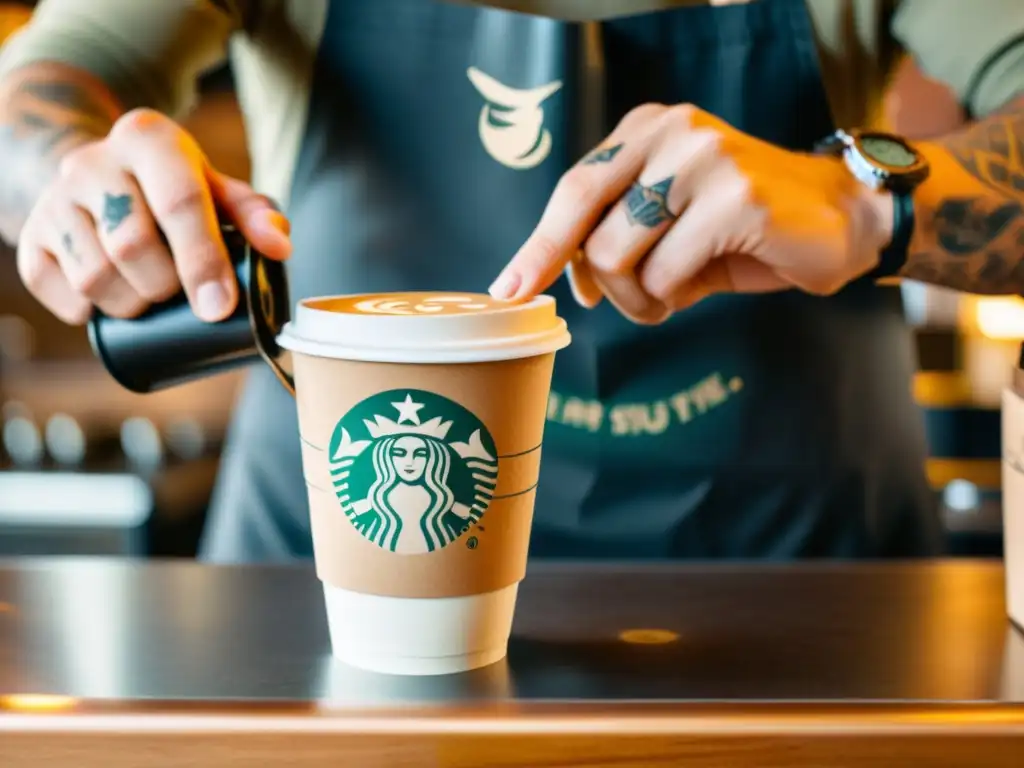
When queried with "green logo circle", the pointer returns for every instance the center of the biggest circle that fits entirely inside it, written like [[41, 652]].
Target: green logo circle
[[413, 470]]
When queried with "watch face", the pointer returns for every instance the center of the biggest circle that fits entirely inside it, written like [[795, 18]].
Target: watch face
[[887, 151]]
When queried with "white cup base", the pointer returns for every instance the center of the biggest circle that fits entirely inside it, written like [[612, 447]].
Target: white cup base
[[439, 665], [419, 636]]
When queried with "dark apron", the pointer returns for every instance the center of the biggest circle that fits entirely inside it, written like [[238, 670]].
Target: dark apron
[[773, 426]]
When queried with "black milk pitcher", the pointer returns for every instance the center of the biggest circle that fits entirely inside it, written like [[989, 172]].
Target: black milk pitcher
[[168, 345]]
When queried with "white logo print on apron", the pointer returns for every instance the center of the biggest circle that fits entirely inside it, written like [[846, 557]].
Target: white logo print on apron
[[512, 121]]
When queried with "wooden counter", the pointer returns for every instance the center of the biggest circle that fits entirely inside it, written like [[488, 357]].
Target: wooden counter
[[115, 664]]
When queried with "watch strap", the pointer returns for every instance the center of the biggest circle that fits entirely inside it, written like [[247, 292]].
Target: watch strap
[[894, 256]]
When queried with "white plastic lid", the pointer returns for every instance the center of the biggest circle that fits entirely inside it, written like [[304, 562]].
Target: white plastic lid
[[424, 328]]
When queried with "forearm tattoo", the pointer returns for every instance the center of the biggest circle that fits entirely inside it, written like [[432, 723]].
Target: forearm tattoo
[[976, 243], [41, 120]]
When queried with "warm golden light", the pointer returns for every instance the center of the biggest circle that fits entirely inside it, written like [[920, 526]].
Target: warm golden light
[[1000, 317], [6, 608], [648, 636], [12, 18], [37, 702], [942, 389]]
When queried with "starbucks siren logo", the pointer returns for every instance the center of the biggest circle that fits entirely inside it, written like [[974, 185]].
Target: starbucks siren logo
[[416, 482]]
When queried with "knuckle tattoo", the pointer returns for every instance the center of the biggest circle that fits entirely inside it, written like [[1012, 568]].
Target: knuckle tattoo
[[647, 205], [116, 208]]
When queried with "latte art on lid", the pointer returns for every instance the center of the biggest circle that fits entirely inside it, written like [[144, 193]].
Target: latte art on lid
[[409, 304], [424, 327]]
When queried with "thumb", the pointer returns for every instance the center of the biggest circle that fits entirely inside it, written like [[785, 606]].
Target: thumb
[[266, 228]]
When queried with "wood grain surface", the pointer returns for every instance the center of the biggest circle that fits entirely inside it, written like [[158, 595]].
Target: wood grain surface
[[562, 736]]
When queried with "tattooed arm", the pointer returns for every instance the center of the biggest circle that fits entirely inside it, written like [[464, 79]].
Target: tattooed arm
[[970, 213], [46, 110], [78, 64]]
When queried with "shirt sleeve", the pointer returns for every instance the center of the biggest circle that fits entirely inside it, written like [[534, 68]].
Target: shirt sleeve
[[150, 53], [974, 46]]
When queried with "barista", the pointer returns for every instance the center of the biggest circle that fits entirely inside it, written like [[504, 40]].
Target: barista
[[743, 388]]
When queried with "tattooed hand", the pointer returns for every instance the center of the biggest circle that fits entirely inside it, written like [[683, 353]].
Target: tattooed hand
[[94, 235], [676, 205]]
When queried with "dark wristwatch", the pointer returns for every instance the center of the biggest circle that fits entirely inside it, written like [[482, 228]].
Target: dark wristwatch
[[884, 161]]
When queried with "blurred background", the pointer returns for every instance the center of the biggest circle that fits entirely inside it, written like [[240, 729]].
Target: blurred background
[[87, 468]]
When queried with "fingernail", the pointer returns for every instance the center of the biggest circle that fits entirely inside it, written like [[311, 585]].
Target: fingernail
[[276, 221], [212, 302], [506, 285]]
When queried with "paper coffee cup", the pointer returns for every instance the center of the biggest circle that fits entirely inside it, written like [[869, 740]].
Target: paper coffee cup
[[421, 418]]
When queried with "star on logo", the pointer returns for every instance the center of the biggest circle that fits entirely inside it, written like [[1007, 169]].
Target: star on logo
[[408, 410]]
